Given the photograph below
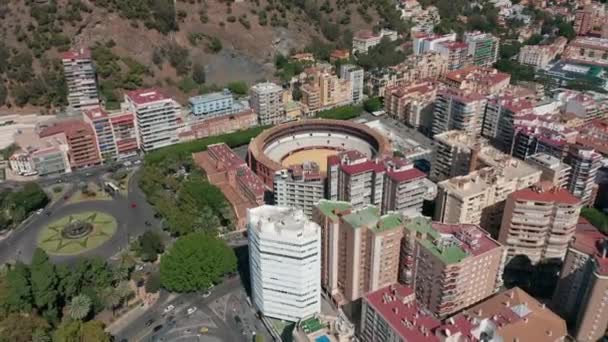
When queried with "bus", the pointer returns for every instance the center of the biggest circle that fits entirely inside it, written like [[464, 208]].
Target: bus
[[111, 188]]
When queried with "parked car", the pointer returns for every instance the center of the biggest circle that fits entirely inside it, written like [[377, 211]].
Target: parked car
[[149, 322], [206, 294], [203, 330], [157, 328], [169, 308], [191, 310]]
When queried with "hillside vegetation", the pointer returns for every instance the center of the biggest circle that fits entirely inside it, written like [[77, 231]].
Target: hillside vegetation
[[183, 47]]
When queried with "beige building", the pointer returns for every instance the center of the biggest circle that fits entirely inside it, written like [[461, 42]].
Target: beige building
[[478, 79], [324, 90], [539, 56], [411, 103], [359, 249], [553, 169], [582, 290], [478, 197], [453, 153], [512, 315], [267, 102], [450, 266], [539, 222]]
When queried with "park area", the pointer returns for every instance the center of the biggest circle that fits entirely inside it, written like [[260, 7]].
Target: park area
[[77, 233]]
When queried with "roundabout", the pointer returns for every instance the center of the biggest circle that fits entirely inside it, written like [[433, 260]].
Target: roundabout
[[76, 233]]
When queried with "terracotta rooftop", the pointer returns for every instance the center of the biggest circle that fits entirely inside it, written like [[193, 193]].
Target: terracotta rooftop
[[397, 305], [366, 34], [221, 152], [143, 96], [589, 240], [95, 113], [514, 315], [70, 128], [562, 196], [77, 54]]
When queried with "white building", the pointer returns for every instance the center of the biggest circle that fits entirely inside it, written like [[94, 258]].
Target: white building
[[353, 74], [299, 187], [423, 43], [156, 116], [285, 262], [79, 73], [267, 102]]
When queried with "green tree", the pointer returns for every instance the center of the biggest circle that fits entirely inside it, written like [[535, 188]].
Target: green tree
[[372, 104], [153, 283], [195, 261], [79, 307], [19, 327], [150, 244], [238, 87], [597, 218], [214, 45], [78, 331], [44, 284], [198, 73], [19, 288]]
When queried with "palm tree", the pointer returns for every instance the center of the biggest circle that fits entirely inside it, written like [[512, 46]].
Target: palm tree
[[79, 307], [111, 299], [124, 292]]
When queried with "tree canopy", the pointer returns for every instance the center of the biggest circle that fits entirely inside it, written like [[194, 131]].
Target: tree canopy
[[194, 262]]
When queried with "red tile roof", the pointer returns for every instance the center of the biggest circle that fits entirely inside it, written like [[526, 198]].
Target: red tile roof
[[77, 54], [397, 305], [221, 152], [561, 196], [366, 34], [95, 113], [362, 167], [70, 128], [144, 96], [589, 240]]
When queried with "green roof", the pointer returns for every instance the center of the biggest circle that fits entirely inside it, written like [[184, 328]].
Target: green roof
[[328, 208], [389, 221], [449, 255], [367, 216]]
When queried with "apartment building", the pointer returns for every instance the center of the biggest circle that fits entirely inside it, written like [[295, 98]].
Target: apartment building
[[585, 163], [476, 79], [539, 222], [483, 48], [455, 154], [267, 102], [456, 53], [458, 109], [393, 314], [412, 104], [300, 187], [479, 197], [285, 258], [499, 119], [365, 39], [392, 184], [81, 140], [416, 68], [512, 315], [553, 169], [422, 43], [590, 17], [100, 121], [212, 104], [587, 106], [582, 290], [354, 75], [360, 249], [539, 56], [79, 73], [124, 129], [587, 51], [449, 266], [41, 156], [541, 136], [157, 117]]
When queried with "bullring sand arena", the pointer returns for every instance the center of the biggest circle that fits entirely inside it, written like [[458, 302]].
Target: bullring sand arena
[[313, 140]]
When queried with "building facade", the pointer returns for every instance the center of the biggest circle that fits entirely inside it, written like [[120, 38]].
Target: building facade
[[79, 73], [360, 249], [553, 169], [354, 75], [267, 102], [285, 258], [458, 109], [582, 289], [450, 266], [300, 187], [213, 104], [539, 223], [585, 163], [412, 104], [100, 121], [483, 48], [81, 140], [157, 118]]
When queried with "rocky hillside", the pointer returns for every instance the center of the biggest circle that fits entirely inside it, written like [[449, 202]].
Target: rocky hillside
[[185, 48]]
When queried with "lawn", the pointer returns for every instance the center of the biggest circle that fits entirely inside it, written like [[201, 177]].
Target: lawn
[[52, 240]]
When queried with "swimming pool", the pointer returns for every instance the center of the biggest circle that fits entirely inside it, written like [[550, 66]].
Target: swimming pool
[[323, 338]]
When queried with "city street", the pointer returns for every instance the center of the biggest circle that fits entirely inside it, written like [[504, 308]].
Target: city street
[[21, 244], [224, 315]]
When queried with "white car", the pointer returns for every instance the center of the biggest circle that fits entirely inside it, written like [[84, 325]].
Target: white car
[[39, 211], [169, 308], [191, 310], [206, 294]]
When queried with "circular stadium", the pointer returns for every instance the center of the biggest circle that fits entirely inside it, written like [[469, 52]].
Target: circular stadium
[[313, 140]]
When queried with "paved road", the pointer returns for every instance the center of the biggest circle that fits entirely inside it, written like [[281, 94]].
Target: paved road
[[216, 312], [131, 223]]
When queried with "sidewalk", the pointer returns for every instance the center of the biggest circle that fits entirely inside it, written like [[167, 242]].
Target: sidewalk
[[128, 318]]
